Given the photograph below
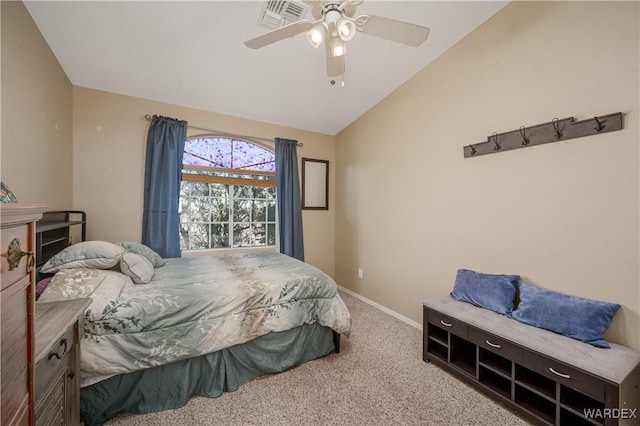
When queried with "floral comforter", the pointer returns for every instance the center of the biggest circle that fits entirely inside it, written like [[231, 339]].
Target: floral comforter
[[194, 306]]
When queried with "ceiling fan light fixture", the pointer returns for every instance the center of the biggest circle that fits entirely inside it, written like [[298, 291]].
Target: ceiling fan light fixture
[[346, 28], [338, 48], [316, 35], [335, 25]]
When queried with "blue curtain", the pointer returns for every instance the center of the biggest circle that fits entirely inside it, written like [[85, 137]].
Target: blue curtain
[[288, 196], [162, 174]]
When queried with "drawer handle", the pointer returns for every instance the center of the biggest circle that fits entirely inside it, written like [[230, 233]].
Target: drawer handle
[[446, 324], [59, 355], [566, 376], [15, 253], [493, 345]]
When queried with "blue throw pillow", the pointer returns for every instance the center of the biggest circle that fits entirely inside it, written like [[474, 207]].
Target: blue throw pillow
[[495, 292], [582, 319]]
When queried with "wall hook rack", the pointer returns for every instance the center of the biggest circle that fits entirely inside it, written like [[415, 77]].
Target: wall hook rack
[[553, 131]]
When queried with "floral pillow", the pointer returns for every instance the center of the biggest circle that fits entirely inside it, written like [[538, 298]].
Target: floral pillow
[[145, 251], [136, 267], [79, 283], [87, 254]]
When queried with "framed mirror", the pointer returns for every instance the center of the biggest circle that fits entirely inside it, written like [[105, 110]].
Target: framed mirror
[[315, 184]]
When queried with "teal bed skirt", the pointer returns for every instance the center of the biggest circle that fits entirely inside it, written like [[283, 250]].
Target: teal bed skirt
[[171, 386]]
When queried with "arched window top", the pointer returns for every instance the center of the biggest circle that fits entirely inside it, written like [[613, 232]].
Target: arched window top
[[221, 152]]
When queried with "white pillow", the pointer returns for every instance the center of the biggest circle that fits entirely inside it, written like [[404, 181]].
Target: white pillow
[[87, 254], [136, 267]]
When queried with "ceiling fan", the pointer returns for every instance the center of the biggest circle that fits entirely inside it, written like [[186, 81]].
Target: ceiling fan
[[336, 25]]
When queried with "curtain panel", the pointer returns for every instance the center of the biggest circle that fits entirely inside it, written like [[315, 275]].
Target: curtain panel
[[163, 170], [289, 205]]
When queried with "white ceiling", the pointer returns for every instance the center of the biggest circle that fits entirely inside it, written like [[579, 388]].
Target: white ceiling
[[192, 54]]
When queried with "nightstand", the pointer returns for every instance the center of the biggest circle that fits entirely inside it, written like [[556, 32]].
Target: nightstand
[[58, 327]]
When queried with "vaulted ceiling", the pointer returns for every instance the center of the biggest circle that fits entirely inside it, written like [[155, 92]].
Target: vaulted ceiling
[[193, 54]]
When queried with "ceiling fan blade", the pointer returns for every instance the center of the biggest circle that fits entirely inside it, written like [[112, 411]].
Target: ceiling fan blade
[[279, 34], [317, 7], [335, 64], [349, 7], [398, 31]]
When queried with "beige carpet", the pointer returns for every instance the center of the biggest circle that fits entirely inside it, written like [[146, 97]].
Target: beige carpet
[[378, 378]]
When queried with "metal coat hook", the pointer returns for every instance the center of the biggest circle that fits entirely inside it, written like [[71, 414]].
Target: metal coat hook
[[556, 127], [497, 146], [473, 149], [525, 139], [600, 126]]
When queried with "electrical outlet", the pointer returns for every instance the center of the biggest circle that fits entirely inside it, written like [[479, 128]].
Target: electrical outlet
[[359, 272]]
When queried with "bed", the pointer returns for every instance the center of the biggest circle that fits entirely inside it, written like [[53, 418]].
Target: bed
[[159, 331]]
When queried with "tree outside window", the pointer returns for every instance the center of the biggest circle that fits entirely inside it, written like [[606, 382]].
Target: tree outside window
[[228, 195]]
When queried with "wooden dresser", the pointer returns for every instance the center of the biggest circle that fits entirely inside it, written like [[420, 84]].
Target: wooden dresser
[[57, 361], [17, 299]]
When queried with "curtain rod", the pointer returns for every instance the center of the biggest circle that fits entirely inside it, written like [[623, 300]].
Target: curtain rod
[[148, 117]]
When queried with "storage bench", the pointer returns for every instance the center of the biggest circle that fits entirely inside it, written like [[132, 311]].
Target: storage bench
[[550, 378]]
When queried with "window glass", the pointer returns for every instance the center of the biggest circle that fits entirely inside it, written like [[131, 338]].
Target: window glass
[[228, 195], [228, 153]]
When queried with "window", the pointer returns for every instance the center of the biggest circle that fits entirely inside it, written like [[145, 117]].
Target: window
[[227, 195]]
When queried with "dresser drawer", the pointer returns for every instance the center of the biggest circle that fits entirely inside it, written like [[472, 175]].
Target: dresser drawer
[[54, 363], [50, 408], [14, 352], [495, 344], [565, 375], [8, 235], [450, 324]]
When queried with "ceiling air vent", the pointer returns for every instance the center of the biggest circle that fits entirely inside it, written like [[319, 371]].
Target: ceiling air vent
[[278, 13]]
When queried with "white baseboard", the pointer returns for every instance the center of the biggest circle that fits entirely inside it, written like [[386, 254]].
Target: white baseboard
[[382, 308]]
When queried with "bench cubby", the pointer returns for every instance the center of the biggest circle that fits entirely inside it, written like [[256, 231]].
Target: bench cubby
[[549, 378]]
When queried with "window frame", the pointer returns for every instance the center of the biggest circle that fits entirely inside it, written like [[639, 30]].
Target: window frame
[[230, 180]]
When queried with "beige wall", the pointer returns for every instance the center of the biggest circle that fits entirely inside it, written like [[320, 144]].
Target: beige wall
[[109, 147], [411, 210], [55, 136], [36, 114]]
